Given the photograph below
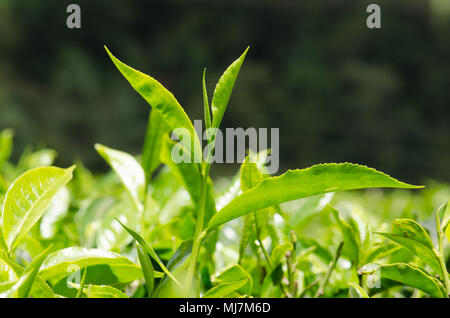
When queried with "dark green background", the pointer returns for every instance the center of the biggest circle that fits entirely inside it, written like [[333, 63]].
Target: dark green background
[[337, 90]]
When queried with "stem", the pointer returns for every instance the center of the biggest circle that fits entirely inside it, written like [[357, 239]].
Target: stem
[[330, 270], [258, 238], [441, 255], [199, 233], [266, 255], [83, 282]]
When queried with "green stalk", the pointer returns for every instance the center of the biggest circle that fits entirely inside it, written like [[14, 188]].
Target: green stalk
[[83, 282], [441, 256], [199, 233], [329, 271]]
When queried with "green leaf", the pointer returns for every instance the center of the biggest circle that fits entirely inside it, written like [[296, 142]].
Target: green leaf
[[298, 184], [94, 291], [22, 287], [355, 291], [164, 102], [412, 230], [236, 273], [156, 129], [58, 264], [351, 246], [224, 289], [129, 171], [444, 217], [147, 269], [6, 145], [279, 252], [150, 251], [408, 275], [166, 287], [57, 210], [223, 90], [412, 236], [189, 176], [40, 288], [206, 110], [28, 198]]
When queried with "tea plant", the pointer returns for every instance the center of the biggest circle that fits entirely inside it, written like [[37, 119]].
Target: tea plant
[[154, 227]]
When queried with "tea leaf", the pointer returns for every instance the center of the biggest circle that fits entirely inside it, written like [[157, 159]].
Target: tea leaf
[[223, 90], [23, 286], [408, 275], [412, 236], [355, 291], [150, 251], [28, 198], [296, 184], [351, 247], [147, 269], [206, 103], [224, 289], [6, 145], [156, 129], [129, 171], [57, 210], [162, 101], [236, 273], [59, 264], [94, 291]]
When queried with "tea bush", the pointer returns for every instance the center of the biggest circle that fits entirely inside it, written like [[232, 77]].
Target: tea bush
[[153, 227]]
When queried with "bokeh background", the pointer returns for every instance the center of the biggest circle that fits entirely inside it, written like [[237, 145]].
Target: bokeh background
[[337, 90]]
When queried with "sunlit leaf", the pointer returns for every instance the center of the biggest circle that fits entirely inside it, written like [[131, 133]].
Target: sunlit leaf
[[296, 184], [164, 102], [407, 274], [224, 87], [28, 198], [129, 171]]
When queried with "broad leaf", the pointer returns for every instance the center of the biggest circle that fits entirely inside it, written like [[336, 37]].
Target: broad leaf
[[128, 170], [236, 273], [223, 90], [411, 235], [28, 198], [58, 264], [94, 291], [57, 210], [296, 184], [224, 289], [408, 275], [164, 102]]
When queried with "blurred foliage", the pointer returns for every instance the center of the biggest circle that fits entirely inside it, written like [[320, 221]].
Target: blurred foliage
[[337, 90]]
